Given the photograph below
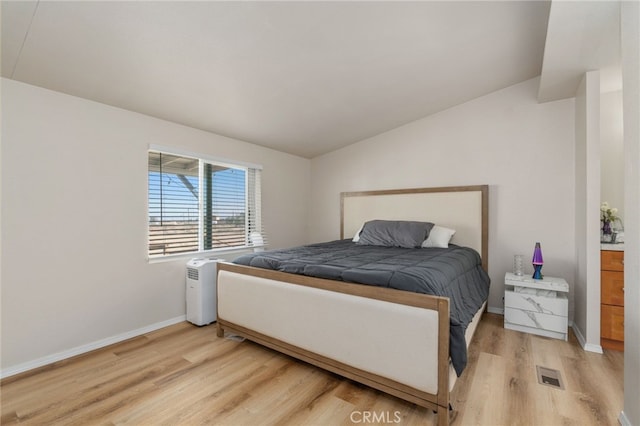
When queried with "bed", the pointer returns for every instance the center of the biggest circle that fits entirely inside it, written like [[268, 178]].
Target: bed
[[390, 339]]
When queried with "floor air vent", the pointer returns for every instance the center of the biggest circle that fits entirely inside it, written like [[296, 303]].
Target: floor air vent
[[549, 377]]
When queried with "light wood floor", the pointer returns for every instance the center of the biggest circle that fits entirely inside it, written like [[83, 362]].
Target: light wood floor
[[186, 375]]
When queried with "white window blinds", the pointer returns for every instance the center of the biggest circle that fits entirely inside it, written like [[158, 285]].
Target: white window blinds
[[255, 232], [198, 205]]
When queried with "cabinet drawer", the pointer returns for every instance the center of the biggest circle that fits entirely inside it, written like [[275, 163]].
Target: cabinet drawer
[[612, 284], [612, 260], [612, 322], [530, 302], [535, 320]]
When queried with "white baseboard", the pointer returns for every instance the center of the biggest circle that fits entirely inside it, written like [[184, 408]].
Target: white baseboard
[[49, 359], [493, 310], [624, 421], [590, 347]]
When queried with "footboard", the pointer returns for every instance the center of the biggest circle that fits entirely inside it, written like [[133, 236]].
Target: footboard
[[394, 341]]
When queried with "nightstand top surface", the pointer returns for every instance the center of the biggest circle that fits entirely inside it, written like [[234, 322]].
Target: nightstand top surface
[[546, 283]]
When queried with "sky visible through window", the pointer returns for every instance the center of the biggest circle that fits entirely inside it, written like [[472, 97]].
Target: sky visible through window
[[179, 200]]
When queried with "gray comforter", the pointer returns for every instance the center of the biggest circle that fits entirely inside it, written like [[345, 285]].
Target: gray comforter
[[455, 272]]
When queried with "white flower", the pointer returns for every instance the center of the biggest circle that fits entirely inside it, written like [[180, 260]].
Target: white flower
[[608, 214]]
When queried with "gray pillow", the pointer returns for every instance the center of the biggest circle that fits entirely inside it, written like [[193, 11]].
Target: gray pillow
[[394, 233]]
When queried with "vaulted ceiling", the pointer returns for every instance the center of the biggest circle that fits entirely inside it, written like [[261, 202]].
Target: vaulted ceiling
[[300, 77]]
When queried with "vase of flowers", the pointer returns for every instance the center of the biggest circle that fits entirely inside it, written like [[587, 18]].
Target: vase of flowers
[[607, 216]]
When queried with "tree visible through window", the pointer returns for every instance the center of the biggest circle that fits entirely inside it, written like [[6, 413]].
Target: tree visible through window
[[197, 205]]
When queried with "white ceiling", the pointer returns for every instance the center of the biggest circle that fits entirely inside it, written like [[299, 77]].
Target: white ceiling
[[581, 36], [302, 77]]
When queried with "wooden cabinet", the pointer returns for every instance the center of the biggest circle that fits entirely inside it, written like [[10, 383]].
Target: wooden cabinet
[[612, 299]]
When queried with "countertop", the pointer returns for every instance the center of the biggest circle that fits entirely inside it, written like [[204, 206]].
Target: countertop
[[613, 247]]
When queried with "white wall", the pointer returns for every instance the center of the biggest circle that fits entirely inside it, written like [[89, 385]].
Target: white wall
[[522, 149], [74, 219], [587, 217], [630, 43], [612, 151]]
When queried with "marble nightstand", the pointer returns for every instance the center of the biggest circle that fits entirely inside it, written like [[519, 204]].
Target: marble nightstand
[[536, 306]]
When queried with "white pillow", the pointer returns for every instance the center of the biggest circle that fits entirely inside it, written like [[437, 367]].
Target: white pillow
[[439, 237], [356, 237]]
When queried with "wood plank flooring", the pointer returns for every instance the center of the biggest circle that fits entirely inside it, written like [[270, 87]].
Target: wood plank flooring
[[185, 375]]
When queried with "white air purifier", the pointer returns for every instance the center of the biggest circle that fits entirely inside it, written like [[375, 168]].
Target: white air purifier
[[201, 291]]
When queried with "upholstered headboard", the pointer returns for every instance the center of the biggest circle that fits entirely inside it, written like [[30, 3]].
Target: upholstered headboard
[[463, 208]]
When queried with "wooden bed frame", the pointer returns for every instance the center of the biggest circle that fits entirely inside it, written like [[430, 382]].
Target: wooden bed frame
[[357, 330]]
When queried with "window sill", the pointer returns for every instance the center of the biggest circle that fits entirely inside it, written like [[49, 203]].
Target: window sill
[[224, 254]]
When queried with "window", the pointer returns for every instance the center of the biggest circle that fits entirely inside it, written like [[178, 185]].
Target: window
[[196, 204]]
